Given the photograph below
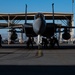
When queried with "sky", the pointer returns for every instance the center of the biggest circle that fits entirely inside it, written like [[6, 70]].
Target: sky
[[18, 6]]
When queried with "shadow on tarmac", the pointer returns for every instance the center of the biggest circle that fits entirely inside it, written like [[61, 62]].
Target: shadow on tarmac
[[36, 70]]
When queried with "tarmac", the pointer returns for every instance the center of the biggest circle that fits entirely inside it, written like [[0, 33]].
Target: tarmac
[[16, 59], [18, 54]]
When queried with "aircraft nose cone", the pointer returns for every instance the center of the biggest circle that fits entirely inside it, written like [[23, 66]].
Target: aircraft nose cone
[[37, 25]]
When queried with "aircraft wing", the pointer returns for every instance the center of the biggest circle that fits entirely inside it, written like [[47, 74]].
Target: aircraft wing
[[26, 28], [52, 28]]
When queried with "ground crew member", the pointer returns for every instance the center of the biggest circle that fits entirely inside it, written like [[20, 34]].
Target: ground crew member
[[29, 42], [44, 42], [54, 41]]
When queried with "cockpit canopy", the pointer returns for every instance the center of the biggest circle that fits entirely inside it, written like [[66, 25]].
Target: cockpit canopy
[[39, 15]]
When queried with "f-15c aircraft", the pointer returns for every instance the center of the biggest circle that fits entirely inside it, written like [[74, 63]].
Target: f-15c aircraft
[[41, 28]]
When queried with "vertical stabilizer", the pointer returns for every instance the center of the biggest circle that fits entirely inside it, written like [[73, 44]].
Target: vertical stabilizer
[[25, 13], [53, 12]]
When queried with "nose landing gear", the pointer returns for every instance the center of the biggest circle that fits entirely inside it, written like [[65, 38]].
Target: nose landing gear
[[39, 52]]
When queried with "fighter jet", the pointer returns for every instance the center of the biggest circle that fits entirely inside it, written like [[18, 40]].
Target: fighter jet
[[41, 28]]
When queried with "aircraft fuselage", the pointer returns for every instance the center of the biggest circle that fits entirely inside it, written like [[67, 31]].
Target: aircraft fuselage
[[39, 23]]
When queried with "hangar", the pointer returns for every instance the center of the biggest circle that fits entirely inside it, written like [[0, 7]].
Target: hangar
[[12, 19]]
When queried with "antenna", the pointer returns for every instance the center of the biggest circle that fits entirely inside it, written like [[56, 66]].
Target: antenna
[[25, 13], [53, 12]]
